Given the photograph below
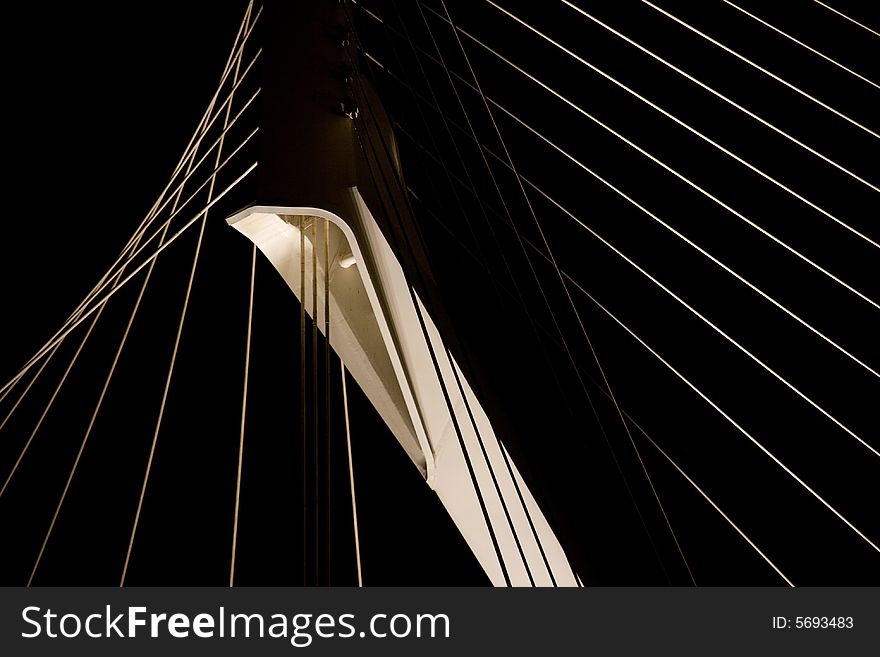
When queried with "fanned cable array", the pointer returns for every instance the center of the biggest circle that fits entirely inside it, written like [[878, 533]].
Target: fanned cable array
[[654, 225], [682, 203], [218, 157]]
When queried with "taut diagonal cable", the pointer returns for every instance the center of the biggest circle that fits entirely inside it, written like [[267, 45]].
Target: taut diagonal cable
[[722, 97], [784, 381], [87, 311], [594, 383], [198, 134], [497, 488], [180, 326], [51, 401], [715, 406], [244, 396], [354, 511], [303, 407], [801, 43], [691, 184], [678, 121], [703, 252], [760, 68], [364, 142], [711, 502], [133, 244], [565, 289], [851, 20], [95, 413]]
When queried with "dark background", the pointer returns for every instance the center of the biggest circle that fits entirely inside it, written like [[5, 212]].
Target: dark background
[[102, 100]]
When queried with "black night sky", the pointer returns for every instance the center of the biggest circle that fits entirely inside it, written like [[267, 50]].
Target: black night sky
[[101, 99]]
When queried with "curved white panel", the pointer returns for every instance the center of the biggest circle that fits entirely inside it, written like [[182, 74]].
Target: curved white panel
[[375, 330]]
